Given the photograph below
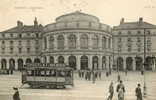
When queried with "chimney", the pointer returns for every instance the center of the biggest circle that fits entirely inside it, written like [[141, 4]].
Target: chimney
[[19, 23], [140, 20], [35, 22], [122, 21]]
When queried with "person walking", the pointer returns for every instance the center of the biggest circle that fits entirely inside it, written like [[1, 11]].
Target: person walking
[[16, 94], [138, 92], [111, 91], [121, 90], [120, 94]]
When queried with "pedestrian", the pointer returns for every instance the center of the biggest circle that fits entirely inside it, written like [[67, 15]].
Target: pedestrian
[[121, 90], [138, 92], [93, 76], [16, 94], [99, 74], [107, 74], [120, 94], [119, 78], [126, 72], [82, 73], [111, 91], [79, 73]]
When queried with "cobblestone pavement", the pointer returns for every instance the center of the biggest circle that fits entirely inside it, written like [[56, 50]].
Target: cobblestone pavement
[[83, 90]]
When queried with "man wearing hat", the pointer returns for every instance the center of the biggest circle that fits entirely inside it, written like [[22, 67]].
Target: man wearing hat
[[138, 92], [16, 94]]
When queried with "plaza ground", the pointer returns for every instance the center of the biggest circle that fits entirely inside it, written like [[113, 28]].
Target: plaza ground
[[82, 90]]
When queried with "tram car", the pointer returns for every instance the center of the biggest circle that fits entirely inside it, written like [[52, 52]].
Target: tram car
[[47, 75]]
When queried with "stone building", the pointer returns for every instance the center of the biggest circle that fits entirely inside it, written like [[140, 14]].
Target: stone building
[[79, 40], [20, 45], [129, 40]]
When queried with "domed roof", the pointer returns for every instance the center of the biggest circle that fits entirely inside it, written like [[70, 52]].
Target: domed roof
[[77, 16]]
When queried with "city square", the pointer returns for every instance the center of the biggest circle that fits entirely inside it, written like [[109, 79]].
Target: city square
[[82, 90]]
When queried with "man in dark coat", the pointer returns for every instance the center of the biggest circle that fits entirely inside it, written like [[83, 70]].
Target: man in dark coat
[[138, 92], [121, 90], [16, 94]]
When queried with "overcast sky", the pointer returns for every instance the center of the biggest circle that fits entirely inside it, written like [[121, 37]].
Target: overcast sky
[[108, 11]]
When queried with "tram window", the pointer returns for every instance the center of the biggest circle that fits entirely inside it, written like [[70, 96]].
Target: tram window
[[53, 73], [42, 73], [29, 72], [32, 73], [68, 73], [48, 73], [61, 73]]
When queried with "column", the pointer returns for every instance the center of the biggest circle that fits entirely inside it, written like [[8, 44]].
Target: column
[[90, 63], [124, 63], [154, 65], [0, 63], [100, 61], [78, 63], [100, 42], [66, 60], [7, 63], [107, 62], [48, 59], [78, 41], [90, 41], [55, 42], [134, 64], [48, 44], [66, 41], [16, 64], [55, 59]]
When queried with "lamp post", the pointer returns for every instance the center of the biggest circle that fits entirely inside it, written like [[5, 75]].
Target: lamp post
[[144, 88]]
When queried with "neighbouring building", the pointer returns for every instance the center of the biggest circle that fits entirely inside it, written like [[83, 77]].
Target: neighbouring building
[[20, 45], [130, 39]]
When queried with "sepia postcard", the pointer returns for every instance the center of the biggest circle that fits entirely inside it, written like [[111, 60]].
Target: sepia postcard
[[77, 50]]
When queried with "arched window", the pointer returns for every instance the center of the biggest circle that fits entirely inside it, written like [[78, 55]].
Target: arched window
[[72, 41], [84, 41], [51, 42], [129, 32], [60, 41], [52, 59], [104, 42], [95, 42], [109, 43], [45, 43]]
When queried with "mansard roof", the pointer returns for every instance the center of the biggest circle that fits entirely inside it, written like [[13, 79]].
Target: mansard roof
[[134, 25], [24, 28]]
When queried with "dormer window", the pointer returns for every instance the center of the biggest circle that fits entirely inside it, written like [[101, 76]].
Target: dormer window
[[37, 35], [129, 32], [3, 35], [11, 35], [119, 33], [20, 35]]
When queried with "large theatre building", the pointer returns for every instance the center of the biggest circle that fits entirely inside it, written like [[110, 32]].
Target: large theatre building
[[77, 39]]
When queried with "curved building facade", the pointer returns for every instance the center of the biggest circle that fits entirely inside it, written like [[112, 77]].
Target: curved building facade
[[79, 40]]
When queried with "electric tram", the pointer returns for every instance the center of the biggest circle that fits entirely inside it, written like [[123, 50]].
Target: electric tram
[[47, 75]]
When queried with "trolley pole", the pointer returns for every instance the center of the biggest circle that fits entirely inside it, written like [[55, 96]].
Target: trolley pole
[[144, 88]]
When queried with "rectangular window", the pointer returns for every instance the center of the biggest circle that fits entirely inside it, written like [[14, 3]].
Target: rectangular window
[[20, 50], [11, 50], [3, 50], [28, 50]]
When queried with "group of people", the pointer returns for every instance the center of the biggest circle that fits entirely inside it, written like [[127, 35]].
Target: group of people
[[121, 90], [89, 74]]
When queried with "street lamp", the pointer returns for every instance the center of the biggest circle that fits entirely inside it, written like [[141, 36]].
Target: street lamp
[[144, 88]]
